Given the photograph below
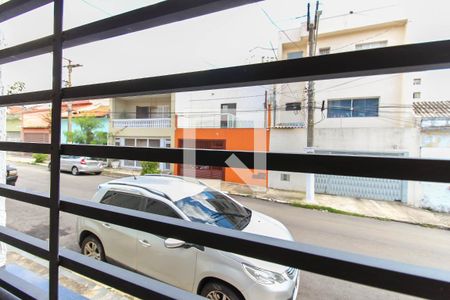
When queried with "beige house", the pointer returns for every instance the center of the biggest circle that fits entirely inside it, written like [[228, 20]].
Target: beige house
[[142, 121], [357, 116]]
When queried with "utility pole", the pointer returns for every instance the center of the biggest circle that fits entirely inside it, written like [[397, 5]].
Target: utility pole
[[312, 44], [313, 29], [68, 83]]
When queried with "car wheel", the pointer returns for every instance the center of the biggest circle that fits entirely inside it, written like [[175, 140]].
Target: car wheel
[[92, 247], [219, 291], [75, 171], [98, 173]]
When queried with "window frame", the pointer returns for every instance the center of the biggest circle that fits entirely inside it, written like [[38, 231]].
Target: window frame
[[390, 275], [352, 107], [371, 45], [285, 177], [171, 206], [327, 50], [294, 54], [127, 193]]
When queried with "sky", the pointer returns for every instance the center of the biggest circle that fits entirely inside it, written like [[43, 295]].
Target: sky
[[221, 39]]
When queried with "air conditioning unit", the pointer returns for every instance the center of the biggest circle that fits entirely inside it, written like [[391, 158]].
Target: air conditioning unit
[[293, 106]]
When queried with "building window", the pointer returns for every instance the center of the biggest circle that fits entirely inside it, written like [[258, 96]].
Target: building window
[[285, 177], [142, 112], [293, 106], [417, 81], [295, 54], [324, 51], [144, 142], [228, 115], [353, 108], [371, 45], [416, 95]]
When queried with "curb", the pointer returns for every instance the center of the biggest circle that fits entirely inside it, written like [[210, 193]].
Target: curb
[[426, 225]]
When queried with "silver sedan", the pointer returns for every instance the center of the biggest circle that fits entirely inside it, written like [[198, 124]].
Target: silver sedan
[[77, 165]]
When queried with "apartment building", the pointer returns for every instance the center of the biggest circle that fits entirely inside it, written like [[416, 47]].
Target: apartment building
[[230, 119], [142, 121], [355, 116]]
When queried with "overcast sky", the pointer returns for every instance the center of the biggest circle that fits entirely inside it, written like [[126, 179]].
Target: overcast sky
[[217, 40]]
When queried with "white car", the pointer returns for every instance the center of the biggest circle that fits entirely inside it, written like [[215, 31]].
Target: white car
[[201, 270], [80, 164]]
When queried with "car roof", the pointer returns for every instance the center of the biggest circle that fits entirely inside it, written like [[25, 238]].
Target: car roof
[[171, 187]]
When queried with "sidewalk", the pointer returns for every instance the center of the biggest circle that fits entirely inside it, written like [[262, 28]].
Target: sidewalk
[[371, 208], [390, 210], [72, 285]]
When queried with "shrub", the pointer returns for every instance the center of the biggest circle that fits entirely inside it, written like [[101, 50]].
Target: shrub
[[150, 167], [39, 157]]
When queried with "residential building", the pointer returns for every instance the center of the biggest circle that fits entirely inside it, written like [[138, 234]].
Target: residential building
[[353, 116], [32, 123], [434, 120], [13, 123], [36, 124], [230, 119], [99, 109], [142, 121]]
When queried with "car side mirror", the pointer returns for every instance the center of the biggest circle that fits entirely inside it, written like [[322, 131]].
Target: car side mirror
[[173, 243]]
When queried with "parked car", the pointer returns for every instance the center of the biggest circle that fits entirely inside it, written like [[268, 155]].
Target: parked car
[[212, 273], [11, 175], [77, 165]]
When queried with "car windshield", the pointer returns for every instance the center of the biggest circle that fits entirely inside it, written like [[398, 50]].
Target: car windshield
[[212, 207]]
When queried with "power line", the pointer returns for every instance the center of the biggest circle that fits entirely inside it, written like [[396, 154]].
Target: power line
[[377, 80], [97, 8], [362, 40], [279, 28], [358, 12], [341, 108]]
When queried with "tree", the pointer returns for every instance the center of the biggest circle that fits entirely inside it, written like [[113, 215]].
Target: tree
[[88, 132], [149, 167]]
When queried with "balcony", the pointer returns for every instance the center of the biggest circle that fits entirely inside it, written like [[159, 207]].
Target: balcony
[[142, 123], [218, 120]]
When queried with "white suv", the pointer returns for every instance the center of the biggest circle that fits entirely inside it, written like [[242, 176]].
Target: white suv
[[205, 271]]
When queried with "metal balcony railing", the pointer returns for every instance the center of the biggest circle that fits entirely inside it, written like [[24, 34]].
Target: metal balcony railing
[[390, 275], [213, 120], [141, 123]]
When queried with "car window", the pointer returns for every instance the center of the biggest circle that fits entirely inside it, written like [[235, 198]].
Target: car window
[[123, 200], [157, 207], [212, 207]]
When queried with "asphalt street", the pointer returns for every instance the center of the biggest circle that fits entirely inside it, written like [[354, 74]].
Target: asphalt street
[[389, 240]]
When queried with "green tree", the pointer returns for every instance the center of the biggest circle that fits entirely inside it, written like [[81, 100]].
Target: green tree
[[149, 167], [88, 132]]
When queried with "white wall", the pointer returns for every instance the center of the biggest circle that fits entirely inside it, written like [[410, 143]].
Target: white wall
[[249, 104], [388, 88], [436, 195], [346, 139], [287, 141]]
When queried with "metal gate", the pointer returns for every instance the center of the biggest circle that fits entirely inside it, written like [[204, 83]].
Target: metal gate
[[201, 171], [361, 187]]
